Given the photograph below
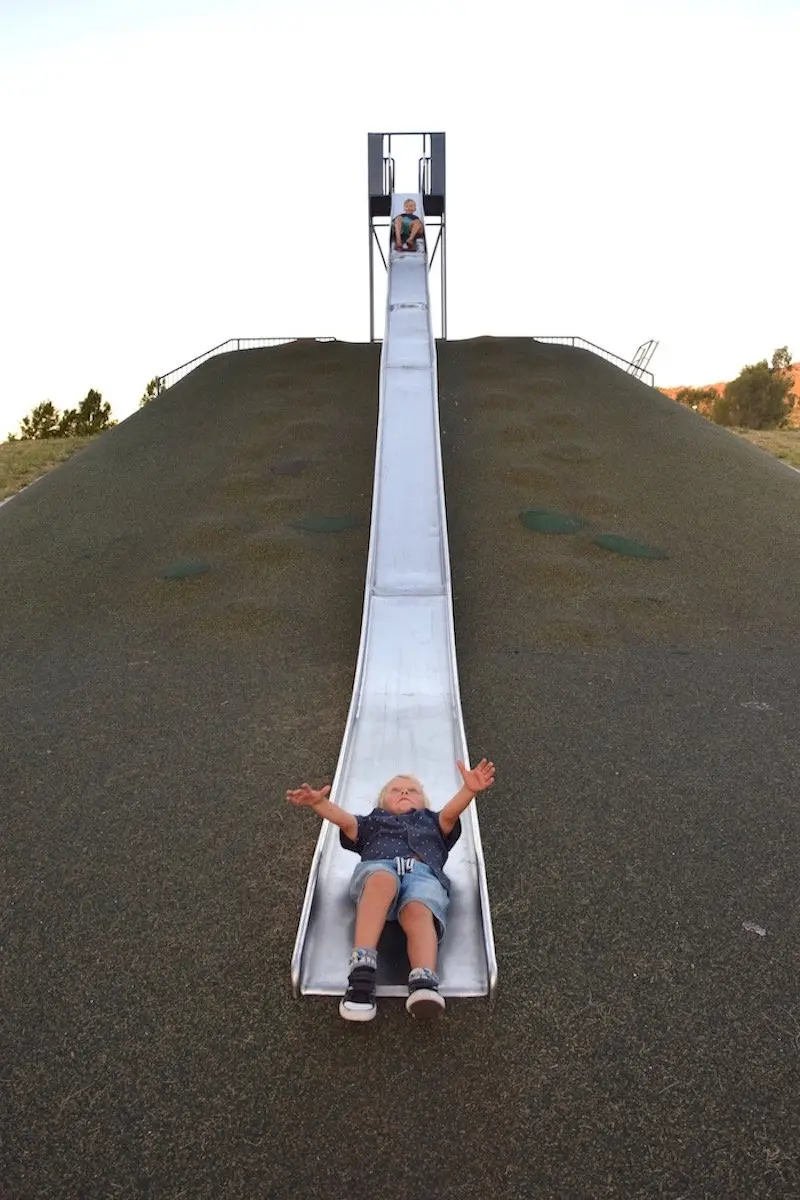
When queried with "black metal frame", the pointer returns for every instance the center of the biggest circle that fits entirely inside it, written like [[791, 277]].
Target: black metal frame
[[431, 185]]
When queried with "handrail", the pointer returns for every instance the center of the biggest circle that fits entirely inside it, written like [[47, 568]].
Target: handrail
[[229, 344], [167, 380], [632, 368], [643, 355]]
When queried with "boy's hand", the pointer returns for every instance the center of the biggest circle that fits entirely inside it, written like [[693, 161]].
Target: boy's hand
[[306, 797], [480, 777]]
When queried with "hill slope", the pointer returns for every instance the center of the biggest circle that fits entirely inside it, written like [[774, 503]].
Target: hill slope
[[642, 715]]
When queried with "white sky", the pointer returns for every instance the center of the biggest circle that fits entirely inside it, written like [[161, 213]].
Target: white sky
[[176, 172]]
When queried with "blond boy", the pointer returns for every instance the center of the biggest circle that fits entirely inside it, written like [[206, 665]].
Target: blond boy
[[407, 227], [404, 846]]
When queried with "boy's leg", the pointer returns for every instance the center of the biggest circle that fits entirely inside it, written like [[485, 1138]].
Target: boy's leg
[[416, 922], [377, 896], [376, 900], [398, 233], [422, 916], [423, 982], [414, 232]]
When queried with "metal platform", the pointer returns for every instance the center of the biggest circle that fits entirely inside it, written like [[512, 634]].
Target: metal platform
[[405, 712]]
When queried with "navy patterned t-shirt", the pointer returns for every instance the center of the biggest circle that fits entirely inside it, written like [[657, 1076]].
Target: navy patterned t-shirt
[[382, 834]]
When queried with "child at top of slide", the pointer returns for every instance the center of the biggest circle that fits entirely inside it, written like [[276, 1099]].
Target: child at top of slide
[[407, 227], [404, 846]]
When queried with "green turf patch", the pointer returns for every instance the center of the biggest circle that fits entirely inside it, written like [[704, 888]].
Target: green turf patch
[[325, 524], [185, 570], [546, 520], [627, 546]]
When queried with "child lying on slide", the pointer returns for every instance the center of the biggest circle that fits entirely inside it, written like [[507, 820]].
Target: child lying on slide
[[403, 847]]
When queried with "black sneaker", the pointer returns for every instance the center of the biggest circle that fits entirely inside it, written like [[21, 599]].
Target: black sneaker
[[423, 994], [358, 1003]]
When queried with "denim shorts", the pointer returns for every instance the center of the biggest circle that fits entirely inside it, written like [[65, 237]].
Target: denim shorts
[[418, 884]]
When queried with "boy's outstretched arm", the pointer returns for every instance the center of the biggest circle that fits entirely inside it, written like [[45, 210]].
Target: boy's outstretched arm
[[476, 780], [307, 797]]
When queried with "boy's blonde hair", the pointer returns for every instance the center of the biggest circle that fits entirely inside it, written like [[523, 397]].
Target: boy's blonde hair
[[382, 793]]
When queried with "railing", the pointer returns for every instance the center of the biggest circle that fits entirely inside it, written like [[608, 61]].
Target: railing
[[165, 381], [642, 357], [388, 175], [424, 168], [632, 368]]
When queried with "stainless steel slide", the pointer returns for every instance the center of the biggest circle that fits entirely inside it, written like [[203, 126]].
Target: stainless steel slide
[[405, 712]]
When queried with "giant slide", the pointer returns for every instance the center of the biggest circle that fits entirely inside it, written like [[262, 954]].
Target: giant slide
[[405, 712]]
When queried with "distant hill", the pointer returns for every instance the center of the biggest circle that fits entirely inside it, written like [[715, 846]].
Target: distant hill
[[794, 417]]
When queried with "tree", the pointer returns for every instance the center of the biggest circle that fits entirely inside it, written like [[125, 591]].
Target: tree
[[702, 400], [66, 426], [760, 397], [93, 415], [152, 390], [41, 422]]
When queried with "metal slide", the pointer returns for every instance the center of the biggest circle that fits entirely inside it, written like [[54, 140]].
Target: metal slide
[[405, 712]]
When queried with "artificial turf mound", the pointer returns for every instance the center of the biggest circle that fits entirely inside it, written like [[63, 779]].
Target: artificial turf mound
[[175, 651]]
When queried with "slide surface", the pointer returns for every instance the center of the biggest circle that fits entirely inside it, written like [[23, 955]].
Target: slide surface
[[405, 712]]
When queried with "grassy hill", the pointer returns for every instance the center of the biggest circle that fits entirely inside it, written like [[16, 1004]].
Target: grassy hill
[[23, 462]]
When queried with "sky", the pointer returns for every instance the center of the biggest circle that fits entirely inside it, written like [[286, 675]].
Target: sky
[[177, 172]]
